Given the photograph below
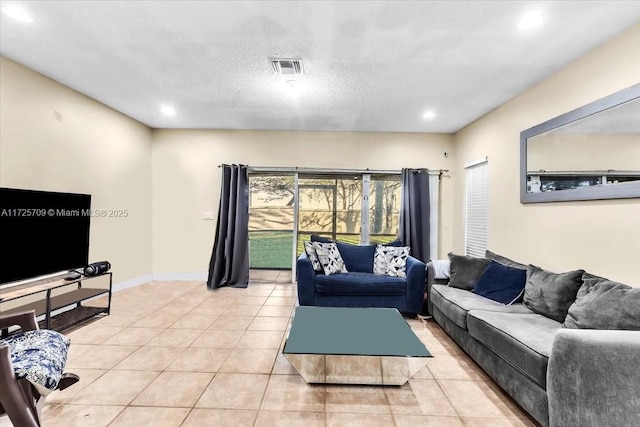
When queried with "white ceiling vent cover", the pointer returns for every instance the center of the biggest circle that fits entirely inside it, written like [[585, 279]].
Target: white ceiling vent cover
[[287, 66]]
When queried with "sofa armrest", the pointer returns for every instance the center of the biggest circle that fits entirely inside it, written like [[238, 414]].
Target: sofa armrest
[[593, 378], [306, 278], [416, 273], [431, 279]]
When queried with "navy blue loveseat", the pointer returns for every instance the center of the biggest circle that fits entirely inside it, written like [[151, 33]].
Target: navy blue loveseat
[[360, 287]]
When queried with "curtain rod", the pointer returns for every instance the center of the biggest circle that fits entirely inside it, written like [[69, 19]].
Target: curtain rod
[[323, 170]]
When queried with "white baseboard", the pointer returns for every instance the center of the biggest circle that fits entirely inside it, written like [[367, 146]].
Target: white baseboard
[[131, 283], [194, 276]]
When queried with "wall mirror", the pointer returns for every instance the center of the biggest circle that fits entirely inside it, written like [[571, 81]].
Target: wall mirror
[[590, 153]]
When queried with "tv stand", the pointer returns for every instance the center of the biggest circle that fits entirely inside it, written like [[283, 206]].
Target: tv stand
[[49, 295]]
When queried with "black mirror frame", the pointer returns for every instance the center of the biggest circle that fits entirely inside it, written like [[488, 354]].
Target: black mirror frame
[[625, 191]]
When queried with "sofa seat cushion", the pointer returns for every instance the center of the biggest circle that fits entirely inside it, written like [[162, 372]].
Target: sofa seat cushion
[[360, 284], [522, 340], [454, 303]]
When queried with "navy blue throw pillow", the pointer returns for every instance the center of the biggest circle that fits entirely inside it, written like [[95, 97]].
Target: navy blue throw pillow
[[501, 283]]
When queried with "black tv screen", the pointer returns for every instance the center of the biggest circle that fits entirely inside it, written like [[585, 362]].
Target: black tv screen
[[42, 232]]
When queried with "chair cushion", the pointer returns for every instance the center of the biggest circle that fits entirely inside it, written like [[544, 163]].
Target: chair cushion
[[522, 340], [39, 356], [316, 238], [454, 303], [357, 258], [360, 284]]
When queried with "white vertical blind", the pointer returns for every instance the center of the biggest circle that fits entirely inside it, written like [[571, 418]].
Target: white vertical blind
[[476, 209]]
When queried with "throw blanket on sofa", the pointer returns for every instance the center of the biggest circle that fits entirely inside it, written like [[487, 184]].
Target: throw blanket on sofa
[[39, 356]]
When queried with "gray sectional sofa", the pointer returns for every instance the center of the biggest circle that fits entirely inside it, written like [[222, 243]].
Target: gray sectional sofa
[[562, 376]]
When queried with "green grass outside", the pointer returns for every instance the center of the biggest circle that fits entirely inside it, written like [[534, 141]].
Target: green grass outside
[[272, 249]]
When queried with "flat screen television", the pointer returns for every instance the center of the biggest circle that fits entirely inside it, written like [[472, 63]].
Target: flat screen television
[[42, 233]]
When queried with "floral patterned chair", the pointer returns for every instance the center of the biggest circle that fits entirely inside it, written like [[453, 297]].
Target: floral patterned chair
[[32, 362]]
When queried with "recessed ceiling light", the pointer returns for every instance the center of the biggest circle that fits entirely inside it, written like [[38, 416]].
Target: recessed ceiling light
[[530, 20], [16, 12], [168, 110], [429, 115]]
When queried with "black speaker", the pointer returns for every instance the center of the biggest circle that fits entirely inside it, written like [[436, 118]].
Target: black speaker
[[97, 268]]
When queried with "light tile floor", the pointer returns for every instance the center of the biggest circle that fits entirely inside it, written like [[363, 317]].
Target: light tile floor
[[176, 354]]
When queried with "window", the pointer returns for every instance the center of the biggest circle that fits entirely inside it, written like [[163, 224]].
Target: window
[[476, 209]]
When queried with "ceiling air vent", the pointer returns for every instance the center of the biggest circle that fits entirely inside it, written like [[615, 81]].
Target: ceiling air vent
[[287, 66]]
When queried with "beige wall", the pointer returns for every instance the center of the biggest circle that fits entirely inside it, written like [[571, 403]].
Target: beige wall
[[603, 237], [186, 179], [53, 138]]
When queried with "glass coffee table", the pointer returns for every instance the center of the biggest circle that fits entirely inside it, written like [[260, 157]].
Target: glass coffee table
[[344, 345]]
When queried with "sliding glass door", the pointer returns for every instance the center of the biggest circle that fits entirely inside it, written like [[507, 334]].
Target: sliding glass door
[[286, 209]]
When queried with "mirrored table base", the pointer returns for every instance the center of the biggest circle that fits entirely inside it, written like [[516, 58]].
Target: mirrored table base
[[365, 370]]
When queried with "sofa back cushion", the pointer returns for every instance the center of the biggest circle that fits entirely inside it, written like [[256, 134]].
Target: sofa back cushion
[[551, 294], [504, 260], [464, 271], [320, 239], [396, 243], [604, 304], [357, 258], [501, 283]]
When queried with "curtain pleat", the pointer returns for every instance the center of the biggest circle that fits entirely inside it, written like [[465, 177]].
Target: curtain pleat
[[414, 230], [229, 265]]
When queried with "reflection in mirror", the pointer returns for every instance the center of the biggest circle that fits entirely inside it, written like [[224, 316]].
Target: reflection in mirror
[[603, 149], [590, 153]]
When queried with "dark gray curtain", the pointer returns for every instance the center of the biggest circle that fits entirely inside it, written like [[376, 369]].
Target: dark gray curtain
[[229, 264], [414, 212]]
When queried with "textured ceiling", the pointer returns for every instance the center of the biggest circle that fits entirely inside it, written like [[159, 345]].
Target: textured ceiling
[[369, 66]]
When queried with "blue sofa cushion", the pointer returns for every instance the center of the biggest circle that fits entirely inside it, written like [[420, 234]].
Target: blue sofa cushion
[[320, 239], [501, 283], [357, 258], [396, 243], [360, 284]]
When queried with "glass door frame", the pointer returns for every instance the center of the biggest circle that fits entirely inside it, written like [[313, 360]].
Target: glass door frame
[[299, 173]]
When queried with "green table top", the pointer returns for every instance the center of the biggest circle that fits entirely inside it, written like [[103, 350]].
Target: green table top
[[352, 331]]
